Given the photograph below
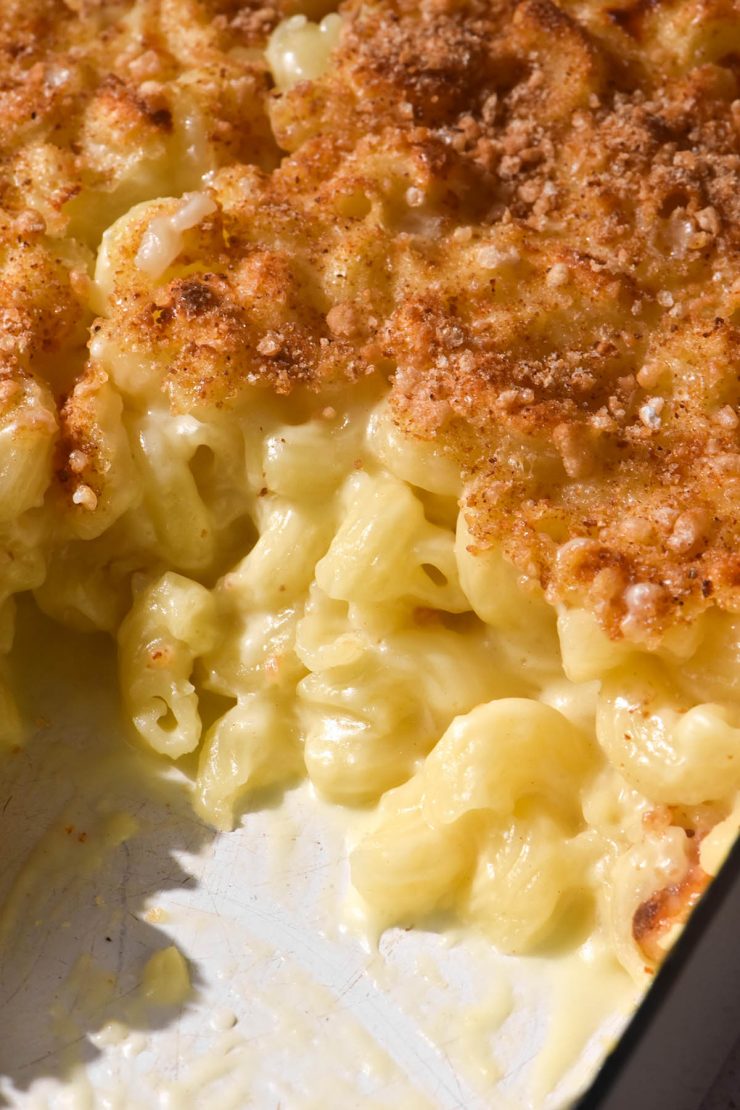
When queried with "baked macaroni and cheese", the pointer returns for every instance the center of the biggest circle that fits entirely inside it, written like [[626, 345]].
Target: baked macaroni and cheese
[[371, 375]]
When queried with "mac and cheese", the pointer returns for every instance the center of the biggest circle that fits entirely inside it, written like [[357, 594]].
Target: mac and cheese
[[371, 375]]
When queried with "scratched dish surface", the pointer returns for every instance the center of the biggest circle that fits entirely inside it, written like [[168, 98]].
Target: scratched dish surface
[[108, 867]]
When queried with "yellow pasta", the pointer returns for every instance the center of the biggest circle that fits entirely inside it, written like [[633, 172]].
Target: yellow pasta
[[171, 623], [665, 746], [299, 50], [251, 746], [368, 376]]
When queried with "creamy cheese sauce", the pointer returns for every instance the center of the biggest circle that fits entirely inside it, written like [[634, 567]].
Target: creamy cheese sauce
[[158, 965]]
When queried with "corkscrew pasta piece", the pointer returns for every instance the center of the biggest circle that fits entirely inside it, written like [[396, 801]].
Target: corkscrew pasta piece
[[171, 623]]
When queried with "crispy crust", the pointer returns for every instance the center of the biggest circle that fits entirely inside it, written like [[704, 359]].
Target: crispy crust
[[670, 906], [579, 351], [525, 214]]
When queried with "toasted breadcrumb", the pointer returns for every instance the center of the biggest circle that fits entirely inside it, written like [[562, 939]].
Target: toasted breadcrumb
[[526, 215]]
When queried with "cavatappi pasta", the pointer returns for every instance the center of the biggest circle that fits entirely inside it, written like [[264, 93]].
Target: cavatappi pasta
[[525, 765], [298, 546]]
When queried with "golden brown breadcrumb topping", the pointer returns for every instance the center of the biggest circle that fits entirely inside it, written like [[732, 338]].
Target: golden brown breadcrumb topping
[[525, 214]]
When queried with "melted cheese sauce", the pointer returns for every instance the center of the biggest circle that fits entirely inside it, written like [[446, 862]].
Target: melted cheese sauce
[[158, 965], [117, 900]]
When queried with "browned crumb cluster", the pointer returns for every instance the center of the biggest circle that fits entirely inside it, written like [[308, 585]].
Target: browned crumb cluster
[[672, 905], [525, 214]]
